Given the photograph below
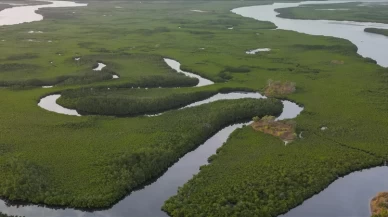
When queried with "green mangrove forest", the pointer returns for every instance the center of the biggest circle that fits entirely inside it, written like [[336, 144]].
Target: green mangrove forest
[[94, 160]]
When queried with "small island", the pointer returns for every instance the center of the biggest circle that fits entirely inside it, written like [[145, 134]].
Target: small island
[[284, 129], [379, 205]]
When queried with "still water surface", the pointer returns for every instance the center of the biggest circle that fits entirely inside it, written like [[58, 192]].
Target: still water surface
[[27, 14], [369, 45], [348, 196], [147, 201]]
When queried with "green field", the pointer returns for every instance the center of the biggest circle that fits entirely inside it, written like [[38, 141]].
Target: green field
[[92, 161]]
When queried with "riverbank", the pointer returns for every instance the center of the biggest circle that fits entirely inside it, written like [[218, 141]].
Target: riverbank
[[4, 215], [377, 31], [221, 188], [255, 174], [369, 12], [4, 6], [354, 11], [77, 169], [379, 205]]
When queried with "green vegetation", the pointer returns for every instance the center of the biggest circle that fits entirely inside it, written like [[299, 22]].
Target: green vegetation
[[146, 70], [132, 102], [92, 161], [354, 11], [382, 214], [377, 31], [25, 180], [120, 153], [255, 175], [112, 102], [4, 215]]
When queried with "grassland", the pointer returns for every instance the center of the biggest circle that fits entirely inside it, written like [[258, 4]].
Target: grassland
[[92, 161]]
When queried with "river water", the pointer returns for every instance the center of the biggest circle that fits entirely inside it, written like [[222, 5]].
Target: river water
[[369, 45], [147, 202], [27, 14], [348, 196]]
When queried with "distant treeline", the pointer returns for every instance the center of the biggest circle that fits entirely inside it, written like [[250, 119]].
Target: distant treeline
[[377, 31], [154, 81], [5, 215], [88, 77], [171, 80]]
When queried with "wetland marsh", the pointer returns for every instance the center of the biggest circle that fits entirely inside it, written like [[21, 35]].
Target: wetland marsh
[[93, 161]]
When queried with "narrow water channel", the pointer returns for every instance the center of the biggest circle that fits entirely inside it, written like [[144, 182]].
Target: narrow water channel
[[348, 196], [369, 45], [177, 67], [148, 201], [49, 102]]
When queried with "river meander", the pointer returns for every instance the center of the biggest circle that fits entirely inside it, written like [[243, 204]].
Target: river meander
[[148, 200]]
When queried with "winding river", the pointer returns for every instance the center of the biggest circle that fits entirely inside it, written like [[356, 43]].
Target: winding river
[[148, 201], [348, 196], [369, 45], [290, 109]]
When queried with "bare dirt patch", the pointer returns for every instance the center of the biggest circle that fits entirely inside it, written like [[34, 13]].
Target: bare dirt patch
[[284, 129], [337, 62], [379, 205], [279, 88]]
